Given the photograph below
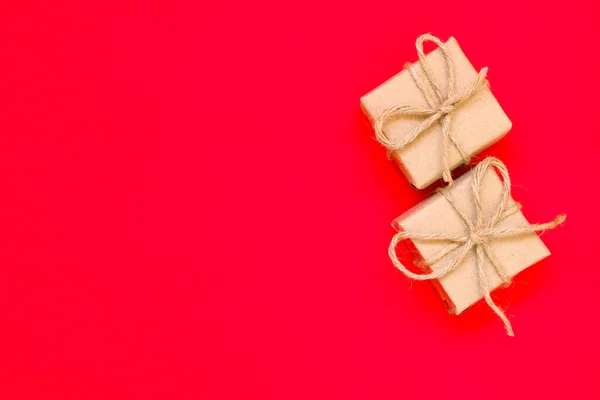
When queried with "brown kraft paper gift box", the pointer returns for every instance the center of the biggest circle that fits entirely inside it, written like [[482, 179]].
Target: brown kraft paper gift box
[[460, 287], [476, 123]]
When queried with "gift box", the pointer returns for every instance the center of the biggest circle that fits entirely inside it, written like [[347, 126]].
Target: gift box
[[435, 114], [470, 238]]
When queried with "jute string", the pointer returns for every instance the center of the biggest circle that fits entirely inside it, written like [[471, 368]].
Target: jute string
[[478, 236], [441, 105]]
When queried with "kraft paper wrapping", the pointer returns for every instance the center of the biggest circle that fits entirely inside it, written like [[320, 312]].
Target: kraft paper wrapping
[[460, 288], [477, 123]]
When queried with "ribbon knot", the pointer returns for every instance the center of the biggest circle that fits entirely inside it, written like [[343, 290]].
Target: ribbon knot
[[441, 104], [477, 239], [478, 236], [445, 109]]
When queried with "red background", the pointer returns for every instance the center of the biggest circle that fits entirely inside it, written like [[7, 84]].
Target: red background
[[192, 204]]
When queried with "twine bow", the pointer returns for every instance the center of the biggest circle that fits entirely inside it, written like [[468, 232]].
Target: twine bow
[[478, 236], [441, 105]]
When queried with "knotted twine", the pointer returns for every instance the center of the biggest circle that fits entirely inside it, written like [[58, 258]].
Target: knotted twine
[[478, 236], [441, 105]]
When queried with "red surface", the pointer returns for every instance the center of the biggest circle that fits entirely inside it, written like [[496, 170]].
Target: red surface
[[193, 205]]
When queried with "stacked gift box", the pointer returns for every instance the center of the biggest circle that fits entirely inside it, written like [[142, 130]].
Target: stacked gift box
[[470, 236]]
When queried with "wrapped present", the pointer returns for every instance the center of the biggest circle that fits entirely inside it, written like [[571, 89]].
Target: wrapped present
[[435, 114], [470, 238]]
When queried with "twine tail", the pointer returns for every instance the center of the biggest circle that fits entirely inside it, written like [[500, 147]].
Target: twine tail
[[559, 220], [487, 294], [500, 313], [446, 173], [497, 267]]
